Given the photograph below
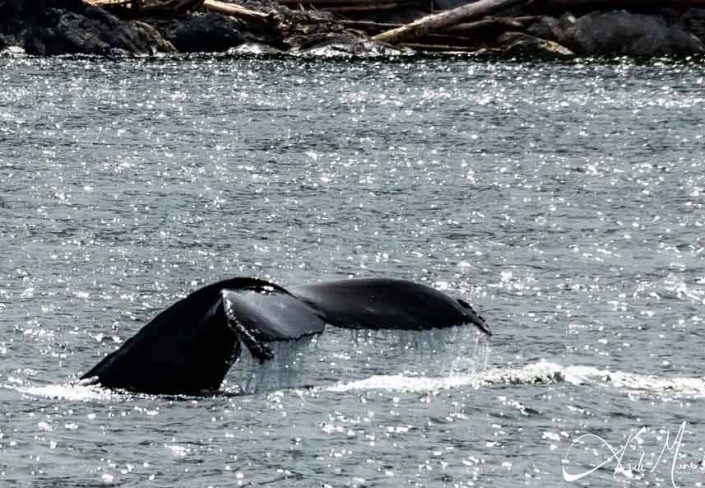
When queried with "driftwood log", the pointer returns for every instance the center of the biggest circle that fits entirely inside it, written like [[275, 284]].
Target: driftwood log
[[465, 29], [235, 10], [154, 6], [445, 19]]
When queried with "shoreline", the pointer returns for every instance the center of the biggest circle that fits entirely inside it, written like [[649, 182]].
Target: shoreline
[[60, 27]]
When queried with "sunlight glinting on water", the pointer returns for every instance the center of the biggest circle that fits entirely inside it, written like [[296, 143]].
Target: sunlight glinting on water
[[564, 201]]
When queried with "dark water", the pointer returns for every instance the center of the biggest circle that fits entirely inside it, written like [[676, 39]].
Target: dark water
[[565, 201]]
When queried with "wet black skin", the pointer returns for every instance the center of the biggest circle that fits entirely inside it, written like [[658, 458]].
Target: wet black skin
[[189, 347]]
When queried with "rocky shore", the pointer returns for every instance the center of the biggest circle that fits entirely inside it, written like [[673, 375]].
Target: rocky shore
[[54, 27]]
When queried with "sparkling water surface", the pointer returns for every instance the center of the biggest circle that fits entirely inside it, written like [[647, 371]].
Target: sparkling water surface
[[564, 201]]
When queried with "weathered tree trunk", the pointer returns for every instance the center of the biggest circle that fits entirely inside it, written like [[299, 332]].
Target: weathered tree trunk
[[369, 26], [150, 6], [235, 10], [442, 48], [447, 18], [372, 27]]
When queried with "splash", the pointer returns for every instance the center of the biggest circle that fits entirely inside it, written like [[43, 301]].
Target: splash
[[342, 353], [249, 376], [538, 373], [70, 391], [12, 52]]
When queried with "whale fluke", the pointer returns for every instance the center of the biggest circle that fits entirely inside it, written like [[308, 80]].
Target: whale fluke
[[268, 314], [381, 303], [189, 347]]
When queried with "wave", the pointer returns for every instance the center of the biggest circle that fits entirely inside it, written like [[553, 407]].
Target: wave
[[68, 391], [314, 361], [537, 373]]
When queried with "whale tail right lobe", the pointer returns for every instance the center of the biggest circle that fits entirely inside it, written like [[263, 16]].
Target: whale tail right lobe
[[382, 303]]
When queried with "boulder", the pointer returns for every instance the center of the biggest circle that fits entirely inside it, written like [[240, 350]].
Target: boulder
[[550, 28], [694, 22], [345, 45], [623, 33], [31, 9], [255, 49], [151, 36], [93, 31], [519, 44], [47, 27], [211, 32]]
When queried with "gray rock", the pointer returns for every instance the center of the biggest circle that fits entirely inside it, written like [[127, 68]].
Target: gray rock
[[345, 45], [12, 52], [47, 27], [255, 49], [524, 45], [624, 33], [151, 36], [550, 28], [209, 32], [694, 22], [93, 31]]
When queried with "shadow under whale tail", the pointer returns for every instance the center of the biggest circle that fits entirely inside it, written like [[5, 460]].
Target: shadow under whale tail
[[190, 346]]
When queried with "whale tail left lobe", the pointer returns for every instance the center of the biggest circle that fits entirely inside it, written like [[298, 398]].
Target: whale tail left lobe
[[190, 346]]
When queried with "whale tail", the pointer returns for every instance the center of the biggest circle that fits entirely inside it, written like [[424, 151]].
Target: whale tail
[[474, 318], [189, 347], [381, 303], [268, 314]]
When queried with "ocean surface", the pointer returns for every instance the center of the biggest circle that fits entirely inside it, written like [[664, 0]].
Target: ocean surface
[[565, 201]]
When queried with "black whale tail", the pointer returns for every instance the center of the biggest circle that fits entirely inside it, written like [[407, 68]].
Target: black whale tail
[[380, 303], [189, 347], [474, 318]]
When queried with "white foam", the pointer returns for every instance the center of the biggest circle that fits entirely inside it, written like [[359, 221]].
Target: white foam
[[319, 360], [405, 383], [68, 391], [540, 372], [13, 52]]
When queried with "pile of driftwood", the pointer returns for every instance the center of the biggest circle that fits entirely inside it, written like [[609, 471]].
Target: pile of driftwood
[[448, 20], [458, 20], [461, 28]]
